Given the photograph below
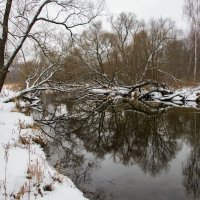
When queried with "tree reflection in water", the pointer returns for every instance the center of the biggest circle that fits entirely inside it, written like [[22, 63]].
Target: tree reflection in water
[[191, 169], [130, 137], [133, 133]]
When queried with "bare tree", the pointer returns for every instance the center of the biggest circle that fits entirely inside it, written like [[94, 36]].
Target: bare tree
[[94, 49], [21, 20], [126, 26], [192, 12], [160, 32]]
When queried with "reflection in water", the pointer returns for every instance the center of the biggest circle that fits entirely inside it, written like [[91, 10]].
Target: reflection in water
[[130, 137], [191, 169], [131, 133]]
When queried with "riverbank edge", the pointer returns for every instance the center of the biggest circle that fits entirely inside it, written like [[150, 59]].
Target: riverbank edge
[[25, 173]]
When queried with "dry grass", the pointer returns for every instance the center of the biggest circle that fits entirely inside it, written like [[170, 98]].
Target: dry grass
[[35, 171], [24, 140], [13, 86], [23, 190], [186, 84], [23, 125], [37, 139]]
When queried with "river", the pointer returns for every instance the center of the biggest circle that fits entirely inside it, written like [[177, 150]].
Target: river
[[125, 150]]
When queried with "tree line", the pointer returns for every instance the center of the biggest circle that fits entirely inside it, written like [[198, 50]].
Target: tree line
[[128, 52]]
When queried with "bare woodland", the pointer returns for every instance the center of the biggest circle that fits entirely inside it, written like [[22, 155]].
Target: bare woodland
[[47, 43], [28, 26]]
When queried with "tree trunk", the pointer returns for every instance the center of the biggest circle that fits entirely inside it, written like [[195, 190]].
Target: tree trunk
[[195, 54], [2, 70], [3, 74], [3, 41]]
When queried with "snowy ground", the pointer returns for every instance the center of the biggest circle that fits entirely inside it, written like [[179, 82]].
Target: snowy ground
[[24, 171]]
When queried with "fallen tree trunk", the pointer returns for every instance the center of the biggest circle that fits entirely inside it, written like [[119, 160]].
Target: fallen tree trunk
[[150, 90], [144, 83]]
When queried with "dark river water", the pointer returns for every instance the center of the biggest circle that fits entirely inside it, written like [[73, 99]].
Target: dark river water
[[125, 150]]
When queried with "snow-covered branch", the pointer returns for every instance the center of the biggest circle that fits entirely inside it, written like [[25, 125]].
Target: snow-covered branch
[[37, 82]]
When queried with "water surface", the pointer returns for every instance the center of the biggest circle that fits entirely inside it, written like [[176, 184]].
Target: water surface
[[123, 150]]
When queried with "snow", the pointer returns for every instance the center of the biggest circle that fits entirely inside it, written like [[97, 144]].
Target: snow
[[115, 91], [190, 94], [156, 95], [61, 110], [100, 91], [24, 171], [184, 97]]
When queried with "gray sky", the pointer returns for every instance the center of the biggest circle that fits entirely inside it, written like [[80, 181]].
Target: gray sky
[[146, 9]]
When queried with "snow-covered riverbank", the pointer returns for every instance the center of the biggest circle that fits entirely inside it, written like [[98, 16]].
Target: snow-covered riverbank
[[24, 171]]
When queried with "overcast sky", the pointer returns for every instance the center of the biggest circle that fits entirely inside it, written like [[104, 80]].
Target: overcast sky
[[146, 9]]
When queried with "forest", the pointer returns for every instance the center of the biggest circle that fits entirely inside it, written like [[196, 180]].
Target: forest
[[126, 53]]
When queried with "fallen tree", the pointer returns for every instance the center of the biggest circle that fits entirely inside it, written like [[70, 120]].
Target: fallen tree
[[150, 90]]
